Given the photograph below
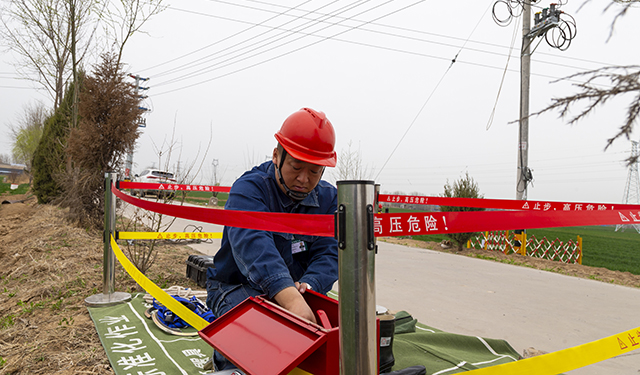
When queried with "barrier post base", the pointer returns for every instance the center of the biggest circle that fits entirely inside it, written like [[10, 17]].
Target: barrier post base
[[102, 299]]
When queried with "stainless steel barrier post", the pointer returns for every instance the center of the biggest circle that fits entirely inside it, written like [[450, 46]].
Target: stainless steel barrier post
[[109, 296], [356, 259]]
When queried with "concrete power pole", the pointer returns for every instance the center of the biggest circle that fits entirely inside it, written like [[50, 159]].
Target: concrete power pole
[[215, 171], [523, 173], [128, 166]]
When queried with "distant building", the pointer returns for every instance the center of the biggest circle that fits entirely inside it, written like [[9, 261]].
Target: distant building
[[7, 169], [13, 173]]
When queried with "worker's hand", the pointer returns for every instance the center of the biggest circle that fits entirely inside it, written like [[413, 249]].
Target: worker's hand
[[302, 287], [291, 299]]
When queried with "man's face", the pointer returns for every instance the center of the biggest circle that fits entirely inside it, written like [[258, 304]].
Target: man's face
[[298, 175]]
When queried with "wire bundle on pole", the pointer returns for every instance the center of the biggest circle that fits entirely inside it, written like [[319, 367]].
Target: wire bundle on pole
[[513, 9], [562, 33], [558, 27]]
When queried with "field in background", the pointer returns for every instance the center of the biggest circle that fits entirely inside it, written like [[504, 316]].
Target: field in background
[[202, 197], [602, 246]]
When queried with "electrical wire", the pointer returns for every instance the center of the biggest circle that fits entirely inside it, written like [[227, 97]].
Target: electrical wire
[[428, 99], [504, 73], [393, 49], [405, 29], [224, 39], [266, 42], [294, 50]]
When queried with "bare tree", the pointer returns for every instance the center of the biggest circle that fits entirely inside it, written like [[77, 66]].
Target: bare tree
[[601, 86], [5, 159], [52, 37], [251, 158], [43, 33], [349, 165], [126, 17], [144, 253]]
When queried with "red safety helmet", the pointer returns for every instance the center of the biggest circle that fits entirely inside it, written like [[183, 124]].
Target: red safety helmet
[[308, 135]]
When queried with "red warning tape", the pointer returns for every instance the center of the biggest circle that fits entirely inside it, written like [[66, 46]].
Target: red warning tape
[[170, 186], [400, 224], [314, 225], [506, 204], [420, 223]]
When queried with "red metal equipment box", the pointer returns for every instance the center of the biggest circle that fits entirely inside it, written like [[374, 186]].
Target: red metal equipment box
[[262, 338]]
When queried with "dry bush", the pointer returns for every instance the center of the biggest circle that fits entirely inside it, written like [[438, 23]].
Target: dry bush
[[107, 128]]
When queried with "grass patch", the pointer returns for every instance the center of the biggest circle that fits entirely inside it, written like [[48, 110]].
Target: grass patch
[[202, 197], [602, 246], [6, 188], [7, 321], [29, 308]]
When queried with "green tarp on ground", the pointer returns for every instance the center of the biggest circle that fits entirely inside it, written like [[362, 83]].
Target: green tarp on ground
[[445, 353], [136, 346]]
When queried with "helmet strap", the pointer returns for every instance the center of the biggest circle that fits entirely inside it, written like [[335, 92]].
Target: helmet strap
[[296, 195]]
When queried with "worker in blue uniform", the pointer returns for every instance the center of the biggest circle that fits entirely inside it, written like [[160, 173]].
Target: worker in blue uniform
[[281, 266]]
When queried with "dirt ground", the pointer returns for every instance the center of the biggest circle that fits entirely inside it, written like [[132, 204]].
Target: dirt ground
[[49, 267]]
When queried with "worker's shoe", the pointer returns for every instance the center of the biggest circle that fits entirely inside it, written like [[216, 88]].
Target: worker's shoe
[[387, 328]]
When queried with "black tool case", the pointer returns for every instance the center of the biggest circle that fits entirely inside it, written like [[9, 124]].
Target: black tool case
[[197, 268]]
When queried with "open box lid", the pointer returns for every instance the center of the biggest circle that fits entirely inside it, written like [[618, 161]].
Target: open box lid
[[262, 338]]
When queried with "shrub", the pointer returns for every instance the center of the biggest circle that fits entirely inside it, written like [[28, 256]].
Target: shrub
[[49, 157], [465, 187]]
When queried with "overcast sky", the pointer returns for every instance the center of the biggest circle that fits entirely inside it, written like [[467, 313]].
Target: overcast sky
[[233, 71]]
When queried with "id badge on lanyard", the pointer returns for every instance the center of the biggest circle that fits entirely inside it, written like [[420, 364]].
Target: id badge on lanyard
[[298, 246]]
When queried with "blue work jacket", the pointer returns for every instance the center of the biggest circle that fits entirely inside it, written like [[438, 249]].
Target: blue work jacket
[[272, 261]]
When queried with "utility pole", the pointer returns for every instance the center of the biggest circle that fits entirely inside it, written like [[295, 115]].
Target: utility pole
[[548, 19], [632, 188], [215, 172], [523, 173], [128, 166]]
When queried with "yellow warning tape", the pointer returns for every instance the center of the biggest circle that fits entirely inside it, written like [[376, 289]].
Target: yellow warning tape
[[551, 363], [298, 371], [570, 358], [168, 235], [163, 297]]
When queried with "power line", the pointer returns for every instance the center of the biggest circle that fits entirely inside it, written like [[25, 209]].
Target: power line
[[384, 33], [292, 51], [416, 31], [221, 40], [273, 38], [425, 103], [373, 46]]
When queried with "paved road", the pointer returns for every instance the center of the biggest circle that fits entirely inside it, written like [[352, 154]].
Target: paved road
[[525, 307]]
